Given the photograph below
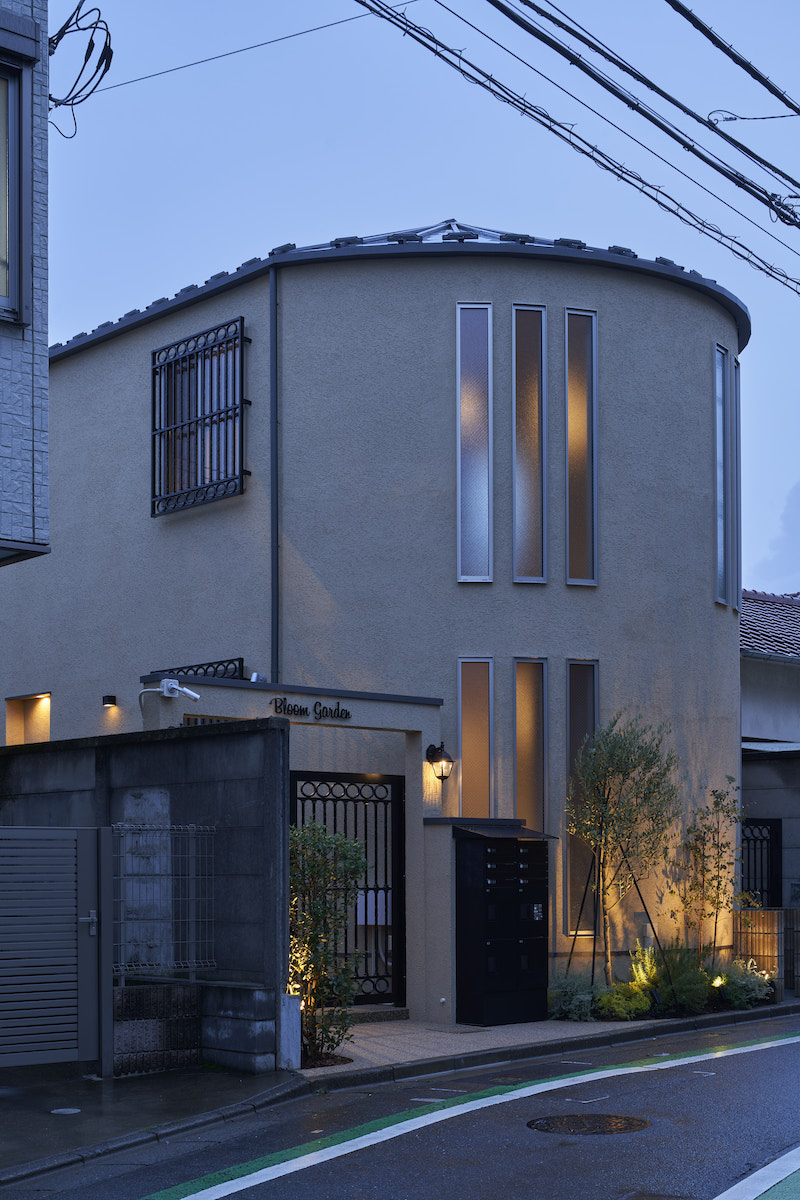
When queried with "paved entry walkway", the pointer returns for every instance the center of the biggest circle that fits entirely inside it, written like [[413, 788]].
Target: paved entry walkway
[[54, 1116]]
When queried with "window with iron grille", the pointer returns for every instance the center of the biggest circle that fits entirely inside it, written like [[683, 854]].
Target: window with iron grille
[[198, 419]]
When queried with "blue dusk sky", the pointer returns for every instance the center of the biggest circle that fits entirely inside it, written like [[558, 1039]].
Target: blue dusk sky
[[355, 129]]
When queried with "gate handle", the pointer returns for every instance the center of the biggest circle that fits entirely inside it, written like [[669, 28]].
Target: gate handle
[[91, 921]]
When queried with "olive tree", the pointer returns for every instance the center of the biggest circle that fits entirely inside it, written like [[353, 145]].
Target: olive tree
[[622, 800], [706, 868], [325, 870]]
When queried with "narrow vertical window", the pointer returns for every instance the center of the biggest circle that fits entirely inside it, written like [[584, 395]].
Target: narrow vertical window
[[530, 741], [581, 449], [581, 723], [475, 736], [5, 192], [736, 499], [9, 185], [722, 474], [529, 445], [474, 350]]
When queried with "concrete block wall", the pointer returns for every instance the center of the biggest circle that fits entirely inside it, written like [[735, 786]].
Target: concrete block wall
[[24, 490]]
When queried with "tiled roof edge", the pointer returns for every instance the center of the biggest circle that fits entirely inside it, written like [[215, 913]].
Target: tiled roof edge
[[792, 598], [410, 242], [770, 657]]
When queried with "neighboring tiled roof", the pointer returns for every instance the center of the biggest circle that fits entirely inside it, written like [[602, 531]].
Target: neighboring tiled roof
[[770, 624], [445, 237]]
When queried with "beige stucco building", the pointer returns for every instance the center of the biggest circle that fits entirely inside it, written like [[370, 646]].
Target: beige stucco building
[[446, 486]]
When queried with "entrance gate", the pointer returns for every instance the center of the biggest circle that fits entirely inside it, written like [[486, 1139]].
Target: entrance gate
[[761, 860], [368, 808], [55, 950]]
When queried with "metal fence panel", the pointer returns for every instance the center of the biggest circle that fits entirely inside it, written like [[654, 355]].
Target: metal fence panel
[[163, 899]]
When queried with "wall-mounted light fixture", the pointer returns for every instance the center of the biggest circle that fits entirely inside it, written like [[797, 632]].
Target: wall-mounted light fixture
[[440, 760], [109, 701]]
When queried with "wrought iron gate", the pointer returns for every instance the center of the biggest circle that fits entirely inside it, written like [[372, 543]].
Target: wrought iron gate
[[762, 851], [370, 809]]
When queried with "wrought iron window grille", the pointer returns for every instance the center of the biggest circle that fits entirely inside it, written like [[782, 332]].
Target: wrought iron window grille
[[198, 443]]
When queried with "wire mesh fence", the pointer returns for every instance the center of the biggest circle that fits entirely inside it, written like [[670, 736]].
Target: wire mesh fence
[[163, 900]]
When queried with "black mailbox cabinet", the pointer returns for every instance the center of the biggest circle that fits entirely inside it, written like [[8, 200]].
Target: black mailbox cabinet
[[501, 930]]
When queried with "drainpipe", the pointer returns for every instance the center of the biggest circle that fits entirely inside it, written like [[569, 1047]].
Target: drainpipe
[[273, 473]]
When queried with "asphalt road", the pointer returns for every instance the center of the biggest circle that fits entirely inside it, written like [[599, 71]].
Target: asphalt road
[[705, 1125]]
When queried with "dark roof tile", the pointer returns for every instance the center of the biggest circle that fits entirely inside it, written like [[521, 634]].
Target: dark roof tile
[[770, 624]]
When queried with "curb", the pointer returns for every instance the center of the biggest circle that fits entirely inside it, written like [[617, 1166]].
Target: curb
[[289, 1090], [639, 1032], [298, 1086]]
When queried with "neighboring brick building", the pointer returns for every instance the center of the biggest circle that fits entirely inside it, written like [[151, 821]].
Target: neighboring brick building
[[24, 502]]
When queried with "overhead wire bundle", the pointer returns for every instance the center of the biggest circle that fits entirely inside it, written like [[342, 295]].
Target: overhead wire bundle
[[781, 206], [90, 75]]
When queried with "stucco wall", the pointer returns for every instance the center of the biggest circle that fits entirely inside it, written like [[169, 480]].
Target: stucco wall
[[24, 499], [369, 595], [128, 592], [369, 515]]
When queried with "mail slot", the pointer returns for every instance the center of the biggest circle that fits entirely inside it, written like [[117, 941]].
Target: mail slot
[[501, 930]]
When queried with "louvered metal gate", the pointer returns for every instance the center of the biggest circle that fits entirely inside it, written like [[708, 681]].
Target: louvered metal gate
[[55, 949]]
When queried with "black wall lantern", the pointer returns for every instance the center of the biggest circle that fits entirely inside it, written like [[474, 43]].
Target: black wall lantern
[[440, 761]]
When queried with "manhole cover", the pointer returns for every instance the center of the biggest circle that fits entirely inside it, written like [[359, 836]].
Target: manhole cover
[[597, 1123]]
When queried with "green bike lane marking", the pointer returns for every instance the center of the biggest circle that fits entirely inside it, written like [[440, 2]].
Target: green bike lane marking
[[220, 1184]]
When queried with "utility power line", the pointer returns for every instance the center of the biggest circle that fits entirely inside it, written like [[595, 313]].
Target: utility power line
[[581, 34], [242, 50], [776, 204], [618, 129], [475, 74], [734, 54]]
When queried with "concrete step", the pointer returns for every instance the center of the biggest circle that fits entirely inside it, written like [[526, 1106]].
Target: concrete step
[[363, 1014]]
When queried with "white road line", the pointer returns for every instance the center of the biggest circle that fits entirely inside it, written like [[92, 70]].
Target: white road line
[[221, 1190], [757, 1184]]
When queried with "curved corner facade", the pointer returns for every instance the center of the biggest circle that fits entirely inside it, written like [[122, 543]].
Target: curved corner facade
[[489, 498]]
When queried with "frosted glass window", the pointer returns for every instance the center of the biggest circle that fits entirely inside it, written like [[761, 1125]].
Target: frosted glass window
[[5, 194], [581, 722], [530, 742], [581, 469], [475, 717], [529, 443], [722, 477], [474, 444]]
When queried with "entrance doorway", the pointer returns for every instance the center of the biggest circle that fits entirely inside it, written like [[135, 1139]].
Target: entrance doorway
[[368, 808]]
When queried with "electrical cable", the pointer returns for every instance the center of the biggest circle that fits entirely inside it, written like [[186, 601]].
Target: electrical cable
[[93, 23], [475, 74], [724, 115], [618, 128], [593, 43], [90, 22], [734, 55], [776, 204], [229, 53]]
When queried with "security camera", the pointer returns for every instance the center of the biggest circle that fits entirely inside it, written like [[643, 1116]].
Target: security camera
[[171, 688]]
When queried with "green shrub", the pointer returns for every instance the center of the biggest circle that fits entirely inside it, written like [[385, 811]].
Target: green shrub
[[572, 998], [676, 981], [644, 967], [744, 985], [324, 873], [622, 1002]]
